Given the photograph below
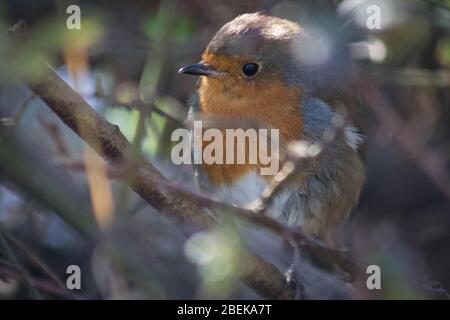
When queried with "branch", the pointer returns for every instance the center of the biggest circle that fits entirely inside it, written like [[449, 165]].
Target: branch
[[430, 161], [9, 272], [14, 119], [310, 244], [34, 259], [107, 140], [9, 253]]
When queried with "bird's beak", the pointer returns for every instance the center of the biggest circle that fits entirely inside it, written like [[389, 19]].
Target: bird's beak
[[201, 69]]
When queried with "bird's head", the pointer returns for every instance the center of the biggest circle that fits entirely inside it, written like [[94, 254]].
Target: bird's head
[[249, 50], [247, 70]]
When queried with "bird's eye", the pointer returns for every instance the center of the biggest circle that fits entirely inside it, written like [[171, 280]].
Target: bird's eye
[[250, 69]]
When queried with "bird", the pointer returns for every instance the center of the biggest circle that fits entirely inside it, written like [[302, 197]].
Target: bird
[[251, 71]]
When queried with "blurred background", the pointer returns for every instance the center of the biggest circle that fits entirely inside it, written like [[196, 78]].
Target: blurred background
[[129, 51]]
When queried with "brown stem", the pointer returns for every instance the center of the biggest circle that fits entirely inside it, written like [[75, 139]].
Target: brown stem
[[107, 140]]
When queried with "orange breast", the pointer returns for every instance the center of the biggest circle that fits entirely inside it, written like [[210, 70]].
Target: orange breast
[[268, 101]]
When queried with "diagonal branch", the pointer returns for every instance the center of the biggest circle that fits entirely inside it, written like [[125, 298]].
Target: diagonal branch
[[107, 140], [310, 244]]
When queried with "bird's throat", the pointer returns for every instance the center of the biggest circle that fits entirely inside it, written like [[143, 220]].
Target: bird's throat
[[276, 107]]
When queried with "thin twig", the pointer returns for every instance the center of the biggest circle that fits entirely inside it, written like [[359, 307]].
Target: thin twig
[[438, 4], [300, 159], [139, 104], [35, 260], [427, 159], [412, 77], [22, 272], [310, 244], [9, 272], [15, 119]]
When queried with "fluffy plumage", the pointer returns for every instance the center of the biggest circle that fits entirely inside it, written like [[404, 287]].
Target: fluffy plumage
[[285, 95]]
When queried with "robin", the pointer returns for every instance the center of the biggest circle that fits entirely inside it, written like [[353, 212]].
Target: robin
[[250, 71]]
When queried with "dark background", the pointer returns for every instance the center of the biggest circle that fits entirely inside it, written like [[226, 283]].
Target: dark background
[[134, 48]]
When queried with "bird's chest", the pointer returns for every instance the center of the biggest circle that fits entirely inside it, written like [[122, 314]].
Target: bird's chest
[[244, 190], [241, 191]]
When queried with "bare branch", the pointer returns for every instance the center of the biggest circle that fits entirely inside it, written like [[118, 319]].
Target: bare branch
[[107, 140], [9, 253], [310, 244], [14, 120], [10, 272], [35, 260], [430, 161]]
